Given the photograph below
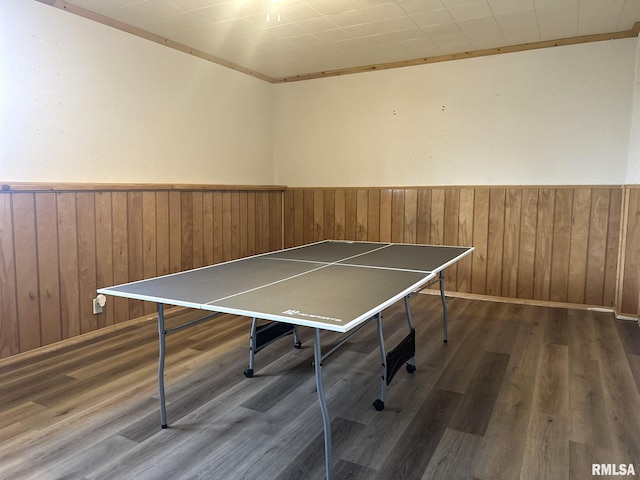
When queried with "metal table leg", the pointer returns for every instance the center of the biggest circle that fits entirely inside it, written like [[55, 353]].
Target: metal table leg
[[379, 403], [317, 354], [252, 348], [161, 338], [444, 308]]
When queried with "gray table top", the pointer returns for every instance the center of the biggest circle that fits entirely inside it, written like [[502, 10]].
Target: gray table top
[[332, 285]]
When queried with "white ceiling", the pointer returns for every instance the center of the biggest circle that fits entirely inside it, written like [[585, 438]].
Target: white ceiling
[[324, 35]]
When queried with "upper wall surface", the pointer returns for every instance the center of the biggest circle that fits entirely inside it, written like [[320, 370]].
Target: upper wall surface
[[89, 103], [550, 116], [83, 102], [633, 166]]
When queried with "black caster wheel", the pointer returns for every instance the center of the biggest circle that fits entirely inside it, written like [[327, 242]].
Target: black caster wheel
[[297, 345], [378, 405], [248, 372], [410, 368]]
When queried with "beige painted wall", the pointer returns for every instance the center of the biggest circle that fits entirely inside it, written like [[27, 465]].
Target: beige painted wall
[[633, 163], [552, 116], [82, 102]]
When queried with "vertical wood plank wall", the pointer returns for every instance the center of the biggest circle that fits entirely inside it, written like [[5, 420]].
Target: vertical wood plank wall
[[559, 244], [57, 248], [562, 244]]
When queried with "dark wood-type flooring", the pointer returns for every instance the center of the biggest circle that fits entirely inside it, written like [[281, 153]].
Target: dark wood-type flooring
[[518, 392]]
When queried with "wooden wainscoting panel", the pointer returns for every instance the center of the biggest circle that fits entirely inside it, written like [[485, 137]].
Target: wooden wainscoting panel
[[450, 229], [436, 234], [527, 211], [49, 267], [58, 247], [318, 213], [218, 255], [274, 200], [68, 251], [495, 241], [480, 241], [561, 245], [613, 248], [373, 215], [104, 250], [208, 229], [514, 243], [198, 229], [236, 236], [544, 244], [630, 303], [9, 340], [597, 247], [308, 224], [362, 214], [26, 258], [538, 243], [328, 218], [465, 237], [423, 215], [580, 223], [397, 215], [186, 230], [149, 241], [135, 247], [386, 200], [120, 252], [175, 232], [254, 227], [87, 267]]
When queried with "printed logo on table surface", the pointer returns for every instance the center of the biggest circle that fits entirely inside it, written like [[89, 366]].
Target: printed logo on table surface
[[298, 313]]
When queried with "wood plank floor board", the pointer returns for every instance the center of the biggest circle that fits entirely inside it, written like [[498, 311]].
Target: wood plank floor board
[[70, 435], [582, 457], [587, 405], [620, 395], [310, 463], [629, 333], [411, 453], [546, 392], [453, 457], [401, 409], [457, 375], [634, 364], [25, 365], [277, 390], [501, 450], [152, 459], [556, 327], [552, 384], [477, 402], [526, 350], [433, 352], [504, 337], [546, 447]]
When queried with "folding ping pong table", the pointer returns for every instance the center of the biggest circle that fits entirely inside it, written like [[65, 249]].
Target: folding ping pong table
[[338, 286]]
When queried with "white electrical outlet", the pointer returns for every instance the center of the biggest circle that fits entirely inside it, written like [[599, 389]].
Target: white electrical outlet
[[98, 303]]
